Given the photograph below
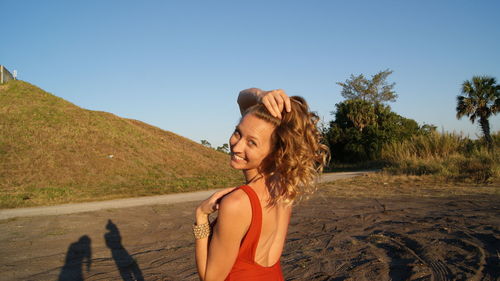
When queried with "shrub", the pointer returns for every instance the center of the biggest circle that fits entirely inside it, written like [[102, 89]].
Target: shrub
[[478, 169], [415, 167]]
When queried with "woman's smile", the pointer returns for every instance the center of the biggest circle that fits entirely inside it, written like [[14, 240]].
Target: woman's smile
[[237, 158]]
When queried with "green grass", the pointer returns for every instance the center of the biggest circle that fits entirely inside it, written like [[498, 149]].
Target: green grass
[[52, 152]]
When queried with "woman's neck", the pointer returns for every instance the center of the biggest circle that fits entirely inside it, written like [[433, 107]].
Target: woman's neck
[[252, 175], [257, 182], [254, 178]]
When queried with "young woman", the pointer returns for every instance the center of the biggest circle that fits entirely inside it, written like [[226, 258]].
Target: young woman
[[277, 146]]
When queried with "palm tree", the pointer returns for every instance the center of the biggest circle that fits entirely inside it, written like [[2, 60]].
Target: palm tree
[[480, 100]]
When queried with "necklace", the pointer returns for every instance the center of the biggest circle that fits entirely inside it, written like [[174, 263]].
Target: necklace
[[255, 178]]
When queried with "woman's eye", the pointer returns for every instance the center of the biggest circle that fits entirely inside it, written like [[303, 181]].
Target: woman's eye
[[252, 143]]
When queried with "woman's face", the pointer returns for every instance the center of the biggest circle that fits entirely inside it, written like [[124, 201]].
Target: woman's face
[[250, 142]]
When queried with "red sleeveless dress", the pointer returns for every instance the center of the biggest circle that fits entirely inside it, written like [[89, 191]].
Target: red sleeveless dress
[[245, 268]]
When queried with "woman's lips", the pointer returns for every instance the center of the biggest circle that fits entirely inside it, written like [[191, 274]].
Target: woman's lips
[[237, 158]]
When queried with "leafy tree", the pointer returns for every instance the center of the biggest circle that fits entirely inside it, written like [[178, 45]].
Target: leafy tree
[[364, 123], [394, 126], [428, 129], [375, 90], [355, 113], [361, 138], [224, 148], [480, 100], [206, 143]]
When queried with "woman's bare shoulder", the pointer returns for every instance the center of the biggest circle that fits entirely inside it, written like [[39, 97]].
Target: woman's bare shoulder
[[236, 207], [236, 199]]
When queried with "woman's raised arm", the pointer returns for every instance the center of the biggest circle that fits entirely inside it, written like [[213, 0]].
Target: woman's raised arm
[[249, 97], [274, 100]]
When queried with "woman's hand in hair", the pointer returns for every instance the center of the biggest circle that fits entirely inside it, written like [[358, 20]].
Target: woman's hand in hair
[[211, 204], [275, 101]]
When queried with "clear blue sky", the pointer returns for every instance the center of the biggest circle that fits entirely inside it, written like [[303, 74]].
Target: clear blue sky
[[179, 65]]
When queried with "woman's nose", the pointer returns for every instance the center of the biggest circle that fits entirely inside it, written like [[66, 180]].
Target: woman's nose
[[237, 145]]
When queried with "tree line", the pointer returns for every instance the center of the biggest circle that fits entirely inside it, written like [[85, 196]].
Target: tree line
[[364, 122], [223, 148]]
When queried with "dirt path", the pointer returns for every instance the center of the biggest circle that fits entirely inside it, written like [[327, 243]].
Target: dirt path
[[135, 202], [404, 238]]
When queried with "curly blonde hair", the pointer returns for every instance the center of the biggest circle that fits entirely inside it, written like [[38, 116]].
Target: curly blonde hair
[[297, 154]]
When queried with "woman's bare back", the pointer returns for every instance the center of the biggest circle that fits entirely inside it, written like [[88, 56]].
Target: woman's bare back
[[275, 222], [274, 228]]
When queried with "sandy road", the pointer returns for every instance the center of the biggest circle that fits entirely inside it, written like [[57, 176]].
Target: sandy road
[[135, 202]]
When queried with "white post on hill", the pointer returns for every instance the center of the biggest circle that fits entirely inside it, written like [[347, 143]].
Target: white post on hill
[[14, 74]]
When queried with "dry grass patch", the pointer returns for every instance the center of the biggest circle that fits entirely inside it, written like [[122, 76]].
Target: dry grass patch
[[385, 185], [447, 155]]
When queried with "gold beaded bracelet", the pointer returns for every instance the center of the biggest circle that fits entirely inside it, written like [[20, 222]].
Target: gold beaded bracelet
[[201, 231]]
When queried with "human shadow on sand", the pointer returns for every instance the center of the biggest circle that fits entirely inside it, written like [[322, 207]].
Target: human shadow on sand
[[78, 253], [129, 270]]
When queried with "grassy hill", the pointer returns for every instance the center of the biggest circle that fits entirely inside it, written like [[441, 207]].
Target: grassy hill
[[52, 151]]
